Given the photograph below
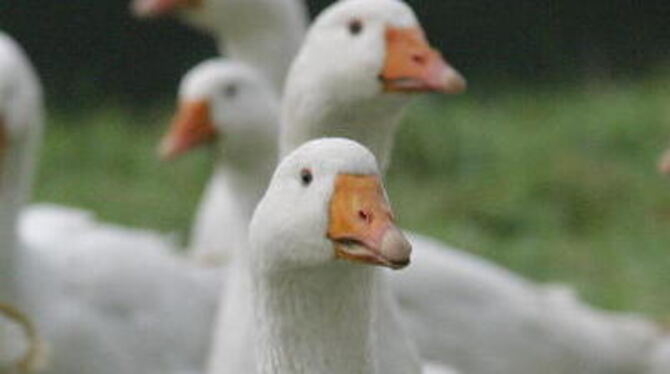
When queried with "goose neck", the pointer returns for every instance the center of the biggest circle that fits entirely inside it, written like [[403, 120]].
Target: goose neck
[[315, 320], [15, 183], [266, 36]]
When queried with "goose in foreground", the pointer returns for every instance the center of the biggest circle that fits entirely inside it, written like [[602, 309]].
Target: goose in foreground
[[106, 299], [263, 34], [247, 124], [352, 77], [316, 237], [488, 318]]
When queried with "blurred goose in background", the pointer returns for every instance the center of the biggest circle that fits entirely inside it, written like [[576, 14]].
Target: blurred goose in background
[[263, 34], [231, 106], [351, 79], [107, 299], [311, 257]]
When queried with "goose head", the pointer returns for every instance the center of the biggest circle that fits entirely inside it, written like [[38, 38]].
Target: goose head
[[360, 49], [19, 99], [325, 203], [223, 103], [207, 15]]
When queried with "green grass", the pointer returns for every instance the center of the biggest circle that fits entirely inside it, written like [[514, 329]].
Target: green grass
[[558, 184]]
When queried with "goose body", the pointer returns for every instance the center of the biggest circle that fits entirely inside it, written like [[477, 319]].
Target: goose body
[[106, 299], [484, 312], [262, 34]]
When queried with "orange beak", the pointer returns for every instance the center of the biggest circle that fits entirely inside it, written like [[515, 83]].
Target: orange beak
[[156, 8], [664, 163], [361, 225], [191, 127], [411, 65]]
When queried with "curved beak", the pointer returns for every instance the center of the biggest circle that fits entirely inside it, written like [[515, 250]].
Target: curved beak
[[157, 8], [362, 227], [191, 127], [412, 65]]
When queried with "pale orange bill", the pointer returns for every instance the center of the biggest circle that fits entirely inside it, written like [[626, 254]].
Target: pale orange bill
[[362, 226], [191, 127], [156, 8], [412, 65]]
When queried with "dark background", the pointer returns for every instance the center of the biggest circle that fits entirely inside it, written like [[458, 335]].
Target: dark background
[[92, 48]]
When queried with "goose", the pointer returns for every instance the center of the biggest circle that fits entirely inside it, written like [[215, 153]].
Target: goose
[[106, 299], [496, 316], [263, 34], [230, 105], [352, 78], [317, 235], [247, 122]]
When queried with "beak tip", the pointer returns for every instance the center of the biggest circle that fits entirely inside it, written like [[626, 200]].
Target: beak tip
[[140, 9], [396, 249], [167, 150], [453, 82]]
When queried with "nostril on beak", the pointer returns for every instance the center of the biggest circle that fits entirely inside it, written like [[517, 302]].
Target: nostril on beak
[[365, 216], [419, 59]]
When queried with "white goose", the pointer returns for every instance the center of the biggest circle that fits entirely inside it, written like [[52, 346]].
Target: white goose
[[314, 312], [227, 98], [229, 104], [264, 34], [486, 311], [107, 299], [460, 309]]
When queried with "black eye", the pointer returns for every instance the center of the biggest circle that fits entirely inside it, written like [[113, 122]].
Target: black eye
[[355, 26], [306, 177], [230, 91]]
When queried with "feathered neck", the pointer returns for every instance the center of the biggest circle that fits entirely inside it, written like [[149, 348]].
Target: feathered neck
[[266, 36], [15, 182], [310, 113], [245, 165], [315, 320]]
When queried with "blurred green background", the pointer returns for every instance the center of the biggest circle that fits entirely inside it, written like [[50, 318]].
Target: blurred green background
[[547, 165]]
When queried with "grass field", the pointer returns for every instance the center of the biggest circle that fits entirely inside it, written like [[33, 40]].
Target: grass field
[[558, 184]]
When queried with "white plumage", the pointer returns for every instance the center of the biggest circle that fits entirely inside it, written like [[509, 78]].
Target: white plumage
[[107, 299], [262, 34]]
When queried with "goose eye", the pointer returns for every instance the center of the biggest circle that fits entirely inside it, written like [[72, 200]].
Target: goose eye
[[230, 91], [306, 177], [355, 26]]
